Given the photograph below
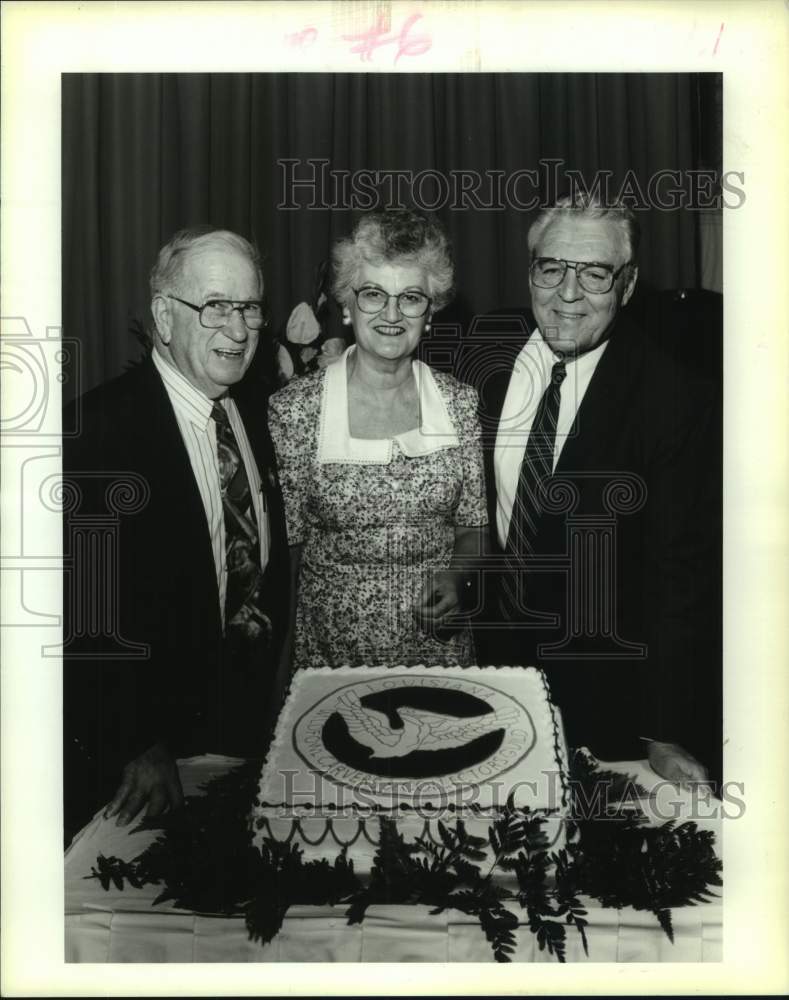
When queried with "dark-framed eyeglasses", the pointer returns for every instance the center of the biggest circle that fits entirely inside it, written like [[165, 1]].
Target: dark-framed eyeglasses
[[412, 304], [549, 272], [216, 313]]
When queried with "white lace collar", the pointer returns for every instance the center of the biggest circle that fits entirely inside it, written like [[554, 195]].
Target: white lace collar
[[335, 444]]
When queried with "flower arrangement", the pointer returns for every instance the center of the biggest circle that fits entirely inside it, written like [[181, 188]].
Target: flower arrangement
[[309, 344]]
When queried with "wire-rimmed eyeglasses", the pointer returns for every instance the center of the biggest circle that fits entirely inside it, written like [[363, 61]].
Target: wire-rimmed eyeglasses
[[412, 304]]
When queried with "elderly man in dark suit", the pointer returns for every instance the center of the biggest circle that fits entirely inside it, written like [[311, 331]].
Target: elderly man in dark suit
[[604, 482], [176, 649]]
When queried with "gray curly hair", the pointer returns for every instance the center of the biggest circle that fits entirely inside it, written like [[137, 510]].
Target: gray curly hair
[[592, 207], [394, 236]]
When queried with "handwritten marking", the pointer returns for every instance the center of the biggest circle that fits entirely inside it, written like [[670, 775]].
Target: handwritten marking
[[304, 38], [368, 41], [720, 32]]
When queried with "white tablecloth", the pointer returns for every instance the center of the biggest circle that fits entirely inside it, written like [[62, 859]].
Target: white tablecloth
[[122, 926]]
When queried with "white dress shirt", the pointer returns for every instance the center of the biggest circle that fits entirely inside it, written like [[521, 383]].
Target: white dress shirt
[[193, 414], [530, 377]]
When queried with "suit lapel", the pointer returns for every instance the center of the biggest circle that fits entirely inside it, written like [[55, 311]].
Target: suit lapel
[[179, 507], [598, 423], [487, 361]]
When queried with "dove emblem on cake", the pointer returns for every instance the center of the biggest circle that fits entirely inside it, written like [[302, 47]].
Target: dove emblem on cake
[[420, 730], [403, 728]]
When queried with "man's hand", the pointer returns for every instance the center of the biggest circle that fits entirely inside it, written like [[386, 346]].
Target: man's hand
[[673, 763], [151, 778], [439, 598]]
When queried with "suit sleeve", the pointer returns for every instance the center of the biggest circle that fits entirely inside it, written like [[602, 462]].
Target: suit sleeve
[[684, 532], [108, 714]]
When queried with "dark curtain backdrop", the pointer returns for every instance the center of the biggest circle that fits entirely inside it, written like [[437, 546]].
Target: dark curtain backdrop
[[146, 154]]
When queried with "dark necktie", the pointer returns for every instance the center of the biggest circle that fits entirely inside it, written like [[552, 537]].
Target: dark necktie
[[243, 596], [536, 468]]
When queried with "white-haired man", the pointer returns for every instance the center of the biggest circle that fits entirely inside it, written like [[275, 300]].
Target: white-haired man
[[604, 503], [202, 578]]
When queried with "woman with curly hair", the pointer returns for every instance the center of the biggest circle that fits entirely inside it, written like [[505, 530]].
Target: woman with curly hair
[[381, 465]]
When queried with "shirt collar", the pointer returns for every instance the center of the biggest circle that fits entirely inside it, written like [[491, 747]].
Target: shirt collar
[[583, 363], [187, 400], [335, 444]]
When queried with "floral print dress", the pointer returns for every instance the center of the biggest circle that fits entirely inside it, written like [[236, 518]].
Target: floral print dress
[[374, 517]]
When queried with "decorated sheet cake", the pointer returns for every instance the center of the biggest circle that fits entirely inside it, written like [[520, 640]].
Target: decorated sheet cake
[[441, 787], [417, 744]]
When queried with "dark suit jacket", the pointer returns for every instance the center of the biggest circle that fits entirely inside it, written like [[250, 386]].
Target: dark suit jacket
[[160, 592], [648, 422]]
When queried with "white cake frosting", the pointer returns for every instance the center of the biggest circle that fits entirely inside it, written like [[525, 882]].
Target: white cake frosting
[[417, 744]]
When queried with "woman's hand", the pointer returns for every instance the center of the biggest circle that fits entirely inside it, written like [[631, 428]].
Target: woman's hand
[[439, 599], [444, 591]]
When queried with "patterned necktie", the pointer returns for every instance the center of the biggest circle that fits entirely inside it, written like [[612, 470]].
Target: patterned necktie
[[536, 468], [243, 594]]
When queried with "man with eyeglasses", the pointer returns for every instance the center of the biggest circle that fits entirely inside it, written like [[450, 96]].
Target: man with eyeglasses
[[202, 578], [603, 496]]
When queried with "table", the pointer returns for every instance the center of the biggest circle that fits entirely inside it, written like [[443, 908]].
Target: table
[[122, 926]]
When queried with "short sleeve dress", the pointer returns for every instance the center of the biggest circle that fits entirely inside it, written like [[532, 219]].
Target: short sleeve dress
[[374, 517]]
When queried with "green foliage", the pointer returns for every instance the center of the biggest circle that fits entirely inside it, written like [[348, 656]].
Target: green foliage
[[648, 868], [283, 878], [566, 882], [114, 870], [205, 860]]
